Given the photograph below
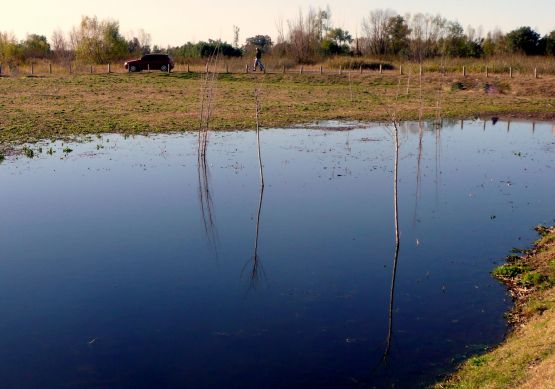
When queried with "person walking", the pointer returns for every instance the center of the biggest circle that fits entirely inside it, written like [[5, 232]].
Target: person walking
[[257, 61]]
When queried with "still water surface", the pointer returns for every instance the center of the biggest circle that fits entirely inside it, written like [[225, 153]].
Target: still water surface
[[115, 272]]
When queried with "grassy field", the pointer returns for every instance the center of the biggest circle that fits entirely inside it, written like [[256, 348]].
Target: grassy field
[[61, 106], [527, 357]]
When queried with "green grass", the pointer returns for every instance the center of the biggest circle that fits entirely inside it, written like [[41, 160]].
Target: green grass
[[60, 107]]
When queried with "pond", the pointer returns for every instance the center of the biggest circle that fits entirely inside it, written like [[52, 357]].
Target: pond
[[124, 265]]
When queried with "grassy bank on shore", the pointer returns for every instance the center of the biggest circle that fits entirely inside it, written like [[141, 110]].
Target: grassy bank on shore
[[526, 359], [55, 107]]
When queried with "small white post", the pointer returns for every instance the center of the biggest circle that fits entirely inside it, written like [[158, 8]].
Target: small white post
[[487, 72], [400, 70], [340, 69], [301, 71], [381, 69]]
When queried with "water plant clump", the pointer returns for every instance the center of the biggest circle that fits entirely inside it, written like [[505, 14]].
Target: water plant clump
[[2, 157], [28, 152], [67, 150], [509, 271]]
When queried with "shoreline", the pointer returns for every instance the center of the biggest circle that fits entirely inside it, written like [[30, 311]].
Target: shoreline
[[526, 358]]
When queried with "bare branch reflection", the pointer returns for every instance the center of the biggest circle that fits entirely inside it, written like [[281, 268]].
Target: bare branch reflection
[[208, 82]]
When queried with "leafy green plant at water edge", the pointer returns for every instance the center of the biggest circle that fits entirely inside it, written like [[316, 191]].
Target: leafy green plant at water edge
[[67, 150], [50, 151], [2, 157], [477, 361], [509, 271], [29, 153], [533, 279]]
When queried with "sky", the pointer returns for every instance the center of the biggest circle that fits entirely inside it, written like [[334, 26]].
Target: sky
[[174, 22]]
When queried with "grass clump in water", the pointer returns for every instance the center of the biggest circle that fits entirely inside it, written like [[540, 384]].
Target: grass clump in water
[[509, 271], [28, 152]]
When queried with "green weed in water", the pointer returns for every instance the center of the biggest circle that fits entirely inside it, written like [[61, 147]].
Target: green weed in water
[[67, 150], [29, 153], [509, 271]]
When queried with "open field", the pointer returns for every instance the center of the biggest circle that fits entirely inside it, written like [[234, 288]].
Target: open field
[[62, 106], [527, 357]]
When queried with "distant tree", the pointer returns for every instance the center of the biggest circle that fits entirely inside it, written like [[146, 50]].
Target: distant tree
[[339, 36], [523, 40], [60, 46], [304, 36], [139, 45], [550, 43], [494, 43], [263, 42], [375, 28], [36, 46], [335, 42], [236, 37], [98, 41], [10, 50], [397, 34]]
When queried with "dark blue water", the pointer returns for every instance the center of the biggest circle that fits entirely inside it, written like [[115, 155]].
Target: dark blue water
[[109, 278]]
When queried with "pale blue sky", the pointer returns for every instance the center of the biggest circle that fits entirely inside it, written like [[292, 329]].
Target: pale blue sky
[[178, 21]]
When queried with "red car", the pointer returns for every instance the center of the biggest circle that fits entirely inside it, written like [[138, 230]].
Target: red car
[[151, 62]]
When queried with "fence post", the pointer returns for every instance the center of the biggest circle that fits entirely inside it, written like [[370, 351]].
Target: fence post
[[535, 72], [340, 69], [510, 72], [301, 71], [188, 69], [109, 69], [487, 71], [50, 68], [169, 68], [420, 70], [226, 68], [321, 71], [464, 71], [381, 69], [246, 68], [91, 70], [32, 68], [360, 69], [400, 70], [283, 69], [0, 69], [70, 72]]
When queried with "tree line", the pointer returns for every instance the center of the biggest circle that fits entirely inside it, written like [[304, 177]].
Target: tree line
[[308, 38]]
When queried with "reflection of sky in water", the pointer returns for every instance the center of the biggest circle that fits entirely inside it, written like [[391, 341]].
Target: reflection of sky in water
[[107, 277]]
